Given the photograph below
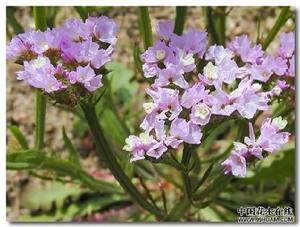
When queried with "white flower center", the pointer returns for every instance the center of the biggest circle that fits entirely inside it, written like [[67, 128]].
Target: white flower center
[[210, 71], [279, 122], [145, 138], [201, 110], [160, 55], [44, 46], [39, 62], [187, 59], [276, 91], [148, 107]]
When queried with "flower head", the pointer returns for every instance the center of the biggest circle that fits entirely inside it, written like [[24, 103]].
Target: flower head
[[65, 62]]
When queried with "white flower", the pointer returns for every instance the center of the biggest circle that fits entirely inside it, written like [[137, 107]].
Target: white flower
[[279, 122], [160, 55], [201, 110], [210, 71]]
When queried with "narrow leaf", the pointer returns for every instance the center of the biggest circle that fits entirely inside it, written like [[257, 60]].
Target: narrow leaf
[[18, 135], [180, 19], [73, 154], [145, 26]]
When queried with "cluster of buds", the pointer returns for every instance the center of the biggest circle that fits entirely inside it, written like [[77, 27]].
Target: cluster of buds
[[65, 63], [193, 85]]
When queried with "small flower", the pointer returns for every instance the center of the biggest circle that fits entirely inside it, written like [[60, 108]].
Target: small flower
[[210, 71], [243, 47], [86, 76], [165, 29], [40, 73], [235, 164], [287, 44], [200, 114]]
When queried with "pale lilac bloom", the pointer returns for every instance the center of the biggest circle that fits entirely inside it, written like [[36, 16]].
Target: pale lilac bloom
[[19, 45], [101, 57], [75, 30], [159, 52], [157, 150], [193, 95], [43, 41], [192, 41], [40, 73], [291, 70], [86, 76], [166, 102], [235, 164], [287, 44], [103, 28], [139, 145], [171, 74], [185, 131], [218, 53], [165, 29], [200, 114], [186, 61], [270, 138], [247, 99], [223, 104], [282, 84], [243, 47], [150, 70]]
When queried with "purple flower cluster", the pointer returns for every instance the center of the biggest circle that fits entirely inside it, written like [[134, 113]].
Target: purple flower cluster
[[66, 62], [269, 141], [185, 96]]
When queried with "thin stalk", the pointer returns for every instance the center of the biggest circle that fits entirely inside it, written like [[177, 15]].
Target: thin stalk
[[179, 209], [186, 156], [39, 13], [282, 18], [145, 26], [106, 154], [180, 19]]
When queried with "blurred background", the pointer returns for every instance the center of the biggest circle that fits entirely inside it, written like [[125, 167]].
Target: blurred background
[[39, 197]]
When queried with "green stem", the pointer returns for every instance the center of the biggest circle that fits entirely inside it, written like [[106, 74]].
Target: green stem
[[186, 156], [145, 26], [106, 154], [39, 13], [40, 119], [82, 11], [216, 23], [179, 209], [282, 18], [180, 19]]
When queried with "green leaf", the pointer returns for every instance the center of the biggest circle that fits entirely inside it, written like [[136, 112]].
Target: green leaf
[[180, 19], [282, 18], [18, 135], [37, 160], [82, 11], [274, 169], [49, 194], [10, 18], [89, 206], [216, 21], [145, 26], [73, 154]]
